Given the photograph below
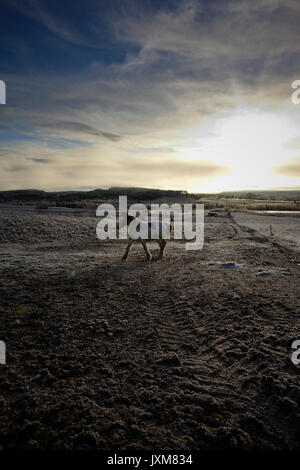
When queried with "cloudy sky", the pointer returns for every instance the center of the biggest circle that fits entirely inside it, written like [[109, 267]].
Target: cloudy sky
[[177, 94]]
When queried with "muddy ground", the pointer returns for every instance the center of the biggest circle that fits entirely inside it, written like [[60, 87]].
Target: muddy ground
[[189, 352]]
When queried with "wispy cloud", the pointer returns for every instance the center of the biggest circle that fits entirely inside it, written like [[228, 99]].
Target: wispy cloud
[[291, 169], [40, 160], [74, 127], [67, 169]]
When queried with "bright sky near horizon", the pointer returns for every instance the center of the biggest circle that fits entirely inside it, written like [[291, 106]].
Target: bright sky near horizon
[[174, 94]]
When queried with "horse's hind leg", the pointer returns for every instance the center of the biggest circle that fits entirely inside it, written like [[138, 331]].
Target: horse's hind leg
[[149, 256], [162, 244]]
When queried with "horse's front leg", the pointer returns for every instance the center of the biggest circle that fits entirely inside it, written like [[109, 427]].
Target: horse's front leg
[[127, 249], [148, 254]]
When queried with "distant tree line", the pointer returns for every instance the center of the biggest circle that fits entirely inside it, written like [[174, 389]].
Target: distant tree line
[[112, 193]]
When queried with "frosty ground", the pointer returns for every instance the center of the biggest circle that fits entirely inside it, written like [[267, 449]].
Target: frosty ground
[[190, 352]]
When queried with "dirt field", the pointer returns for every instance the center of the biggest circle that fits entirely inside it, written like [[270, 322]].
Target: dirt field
[[190, 352]]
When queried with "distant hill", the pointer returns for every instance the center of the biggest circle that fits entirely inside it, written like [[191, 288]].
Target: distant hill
[[25, 195], [275, 195], [138, 194]]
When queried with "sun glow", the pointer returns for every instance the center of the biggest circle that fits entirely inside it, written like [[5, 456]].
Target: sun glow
[[251, 145]]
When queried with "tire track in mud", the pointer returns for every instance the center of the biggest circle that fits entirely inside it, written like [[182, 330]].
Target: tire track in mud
[[214, 373], [172, 314], [207, 336], [183, 338], [173, 311]]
